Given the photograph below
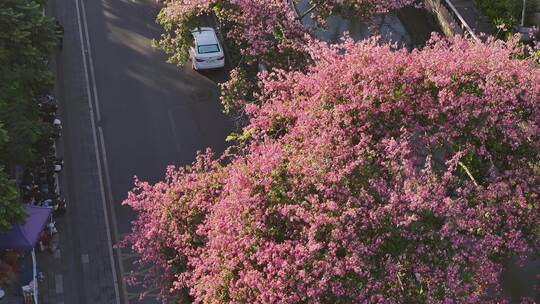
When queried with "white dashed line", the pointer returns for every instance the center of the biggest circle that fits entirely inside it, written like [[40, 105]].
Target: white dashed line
[[81, 18], [59, 283]]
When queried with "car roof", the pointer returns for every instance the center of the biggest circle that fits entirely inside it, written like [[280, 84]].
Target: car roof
[[204, 35]]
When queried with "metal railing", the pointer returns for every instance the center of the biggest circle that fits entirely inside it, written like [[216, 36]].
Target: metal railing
[[459, 19]]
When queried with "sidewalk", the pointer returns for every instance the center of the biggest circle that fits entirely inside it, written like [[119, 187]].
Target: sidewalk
[[79, 272], [51, 288]]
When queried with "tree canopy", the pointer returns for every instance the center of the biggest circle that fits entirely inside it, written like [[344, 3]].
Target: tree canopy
[[27, 38], [257, 28], [11, 211], [266, 32], [376, 176]]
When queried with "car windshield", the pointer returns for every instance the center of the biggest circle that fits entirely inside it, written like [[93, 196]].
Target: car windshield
[[208, 48]]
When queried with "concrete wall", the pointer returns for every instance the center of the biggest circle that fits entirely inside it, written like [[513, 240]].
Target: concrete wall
[[448, 24], [388, 26]]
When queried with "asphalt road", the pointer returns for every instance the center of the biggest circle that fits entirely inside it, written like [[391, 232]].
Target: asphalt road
[[126, 112]]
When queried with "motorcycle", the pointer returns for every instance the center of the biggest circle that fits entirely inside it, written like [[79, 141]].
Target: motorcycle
[[58, 205]]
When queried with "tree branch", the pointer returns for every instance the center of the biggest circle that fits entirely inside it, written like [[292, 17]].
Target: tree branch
[[468, 173], [299, 18], [294, 8]]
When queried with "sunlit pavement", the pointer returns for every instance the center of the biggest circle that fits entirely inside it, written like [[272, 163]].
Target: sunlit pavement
[[126, 112]]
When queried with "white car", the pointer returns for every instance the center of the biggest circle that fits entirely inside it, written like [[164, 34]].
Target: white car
[[207, 52]]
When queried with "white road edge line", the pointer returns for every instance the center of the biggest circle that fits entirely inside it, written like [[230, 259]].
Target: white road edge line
[[58, 283], [111, 199], [98, 159], [91, 64]]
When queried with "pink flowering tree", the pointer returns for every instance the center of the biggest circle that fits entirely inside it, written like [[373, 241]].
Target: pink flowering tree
[[257, 28], [256, 31], [377, 176]]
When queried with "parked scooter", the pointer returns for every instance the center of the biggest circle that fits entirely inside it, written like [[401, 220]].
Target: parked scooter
[[61, 207], [57, 128], [48, 107], [58, 205]]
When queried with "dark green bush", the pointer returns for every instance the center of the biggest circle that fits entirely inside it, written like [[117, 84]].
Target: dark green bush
[[507, 12]]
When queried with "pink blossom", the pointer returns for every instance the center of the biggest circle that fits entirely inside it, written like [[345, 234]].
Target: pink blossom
[[377, 176]]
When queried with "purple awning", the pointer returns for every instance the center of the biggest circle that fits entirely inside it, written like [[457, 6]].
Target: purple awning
[[25, 236]]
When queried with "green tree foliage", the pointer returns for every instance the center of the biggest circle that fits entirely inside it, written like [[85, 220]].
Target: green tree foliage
[[507, 12], [11, 211], [27, 38]]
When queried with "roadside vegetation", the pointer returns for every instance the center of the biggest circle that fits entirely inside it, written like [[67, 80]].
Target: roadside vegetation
[[507, 13], [27, 38], [266, 32], [362, 173]]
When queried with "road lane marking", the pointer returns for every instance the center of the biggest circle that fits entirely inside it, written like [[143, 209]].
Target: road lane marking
[[59, 283], [111, 201], [175, 135], [85, 259], [84, 54], [108, 180], [91, 63]]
